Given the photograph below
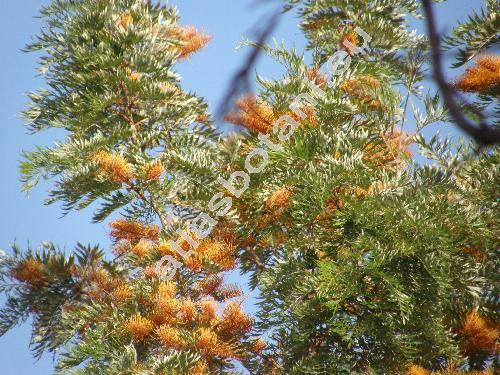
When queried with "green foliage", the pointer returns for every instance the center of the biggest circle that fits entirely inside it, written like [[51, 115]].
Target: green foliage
[[376, 259], [477, 34]]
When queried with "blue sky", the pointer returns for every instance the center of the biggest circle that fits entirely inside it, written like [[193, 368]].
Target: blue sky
[[24, 218]]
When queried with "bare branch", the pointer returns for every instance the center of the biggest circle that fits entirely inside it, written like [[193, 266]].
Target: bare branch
[[240, 82]]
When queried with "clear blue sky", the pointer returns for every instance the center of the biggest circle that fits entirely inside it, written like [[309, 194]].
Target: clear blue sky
[[26, 219]]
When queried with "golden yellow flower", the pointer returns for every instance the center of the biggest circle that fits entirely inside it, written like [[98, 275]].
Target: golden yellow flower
[[234, 320], [125, 20], [165, 289], [478, 334], [170, 337], [484, 76], [191, 40], [416, 370], [259, 345], [153, 170], [142, 248], [115, 167], [207, 341], [121, 294], [279, 200], [208, 314], [29, 271], [139, 327], [133, 231], [357, 88], [218, 252], [188, 310], [255, 116], [168, 307]]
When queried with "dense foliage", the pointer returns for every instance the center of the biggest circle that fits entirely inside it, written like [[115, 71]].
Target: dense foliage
[[373, 248]]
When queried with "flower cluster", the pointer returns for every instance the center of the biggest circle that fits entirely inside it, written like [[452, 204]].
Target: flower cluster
[[191, 40], [449, 370], [477, 334], [30, 271], [133, 231], [484, 76], [115, 167]]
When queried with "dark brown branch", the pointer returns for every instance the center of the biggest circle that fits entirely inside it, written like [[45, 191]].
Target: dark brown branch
[[240, 81], [482, 133]]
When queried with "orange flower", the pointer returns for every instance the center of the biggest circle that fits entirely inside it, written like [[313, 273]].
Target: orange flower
[[142, 248], [254, 116], [218, 252], [165, 290], [203, 118], [279, 200], [170, 337], [133, 231], [193, 264], [264, 220], [484, 76], [391, 149], [208, 343], [210, 285], [417, 370], [259, 345], [449, 370], [200, 368], [309, 112], [125, 20], [29, 271], [153, 170], [164, 248], [314, 75], [477, 334], [357, 89], [230, 291], [114, 166], [208, 313], [191, 40], [476, 253], [121, 294], [134, 76], [350, 37], [188, 310], [234, 320], [150, 271], [139, 327]]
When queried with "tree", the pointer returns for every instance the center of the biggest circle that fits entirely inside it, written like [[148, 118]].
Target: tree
[[366, 261], [136, 143]]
